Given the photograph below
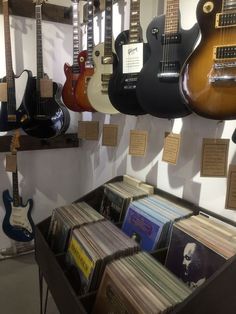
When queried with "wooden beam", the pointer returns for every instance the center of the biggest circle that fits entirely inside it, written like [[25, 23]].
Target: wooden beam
[[30, 143], [50, 12]]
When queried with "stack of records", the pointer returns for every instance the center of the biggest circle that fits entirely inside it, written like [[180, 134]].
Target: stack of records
[[149, 221], [199, 246], [65, 218], [92, 246], [138, 284], [118, 195]]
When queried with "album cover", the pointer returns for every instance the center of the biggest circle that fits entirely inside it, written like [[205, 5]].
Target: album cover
[[190, 260]]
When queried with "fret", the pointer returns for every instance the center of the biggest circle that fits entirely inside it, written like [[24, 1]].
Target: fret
[[172, 16], [38, 15], [108, 29], [134, 29], [76, 34], [89, 61], [16, 197]]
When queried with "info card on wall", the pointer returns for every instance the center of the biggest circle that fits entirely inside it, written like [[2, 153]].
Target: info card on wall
[[138, 143], [171, 148], [231, 188], [132, 58], [214, 157]]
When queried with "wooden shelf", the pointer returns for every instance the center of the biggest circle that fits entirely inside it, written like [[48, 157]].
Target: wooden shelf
[[30, 143], [50, 12]]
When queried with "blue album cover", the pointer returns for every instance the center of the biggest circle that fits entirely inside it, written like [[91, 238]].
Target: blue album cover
[[143, 228], [191, 260]]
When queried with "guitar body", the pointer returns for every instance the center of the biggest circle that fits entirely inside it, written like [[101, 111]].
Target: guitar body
[[82, 83], [97, 91], [122, 87], [159, 95], [17, 223], [68, 90], [47, 117], [211, 100], [6, 125]]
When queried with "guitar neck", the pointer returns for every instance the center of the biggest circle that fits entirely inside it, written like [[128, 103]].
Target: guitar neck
[[134, 30], [108, 29], [172, 17], [90, 33], [76, 37], [38, 16], [15, 186], [9, 69]]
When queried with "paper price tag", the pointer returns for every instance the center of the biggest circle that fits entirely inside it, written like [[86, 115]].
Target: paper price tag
[[214, 157], [92, 130], [231, 188], [11, 163], [110, 135], [171, 148], [46, 88], [82, 129], [132, 58], [3, 92], [138, 143]]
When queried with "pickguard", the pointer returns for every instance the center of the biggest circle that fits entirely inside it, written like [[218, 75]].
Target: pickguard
[[19, 217]]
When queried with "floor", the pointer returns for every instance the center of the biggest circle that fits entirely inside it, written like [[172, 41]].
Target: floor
[[19, 291]]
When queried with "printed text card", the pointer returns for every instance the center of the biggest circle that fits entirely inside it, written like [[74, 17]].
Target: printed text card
[[138, 143]]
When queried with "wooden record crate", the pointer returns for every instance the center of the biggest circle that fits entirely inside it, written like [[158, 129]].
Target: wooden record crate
[[215, 296]]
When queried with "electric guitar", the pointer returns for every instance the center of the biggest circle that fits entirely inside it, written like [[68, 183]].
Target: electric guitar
[[104, 59], [208, 78], [130, 50], [85, 60], [72, 73], [158, 83], [17, 223], [10, 116], [47, 116]]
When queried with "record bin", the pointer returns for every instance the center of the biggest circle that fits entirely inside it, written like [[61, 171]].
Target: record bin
[[216, 295]]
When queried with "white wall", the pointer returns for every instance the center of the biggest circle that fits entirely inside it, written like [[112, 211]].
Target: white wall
[[56, 177]]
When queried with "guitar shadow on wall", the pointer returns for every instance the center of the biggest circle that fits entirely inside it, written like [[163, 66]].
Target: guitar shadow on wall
[[194, 129]]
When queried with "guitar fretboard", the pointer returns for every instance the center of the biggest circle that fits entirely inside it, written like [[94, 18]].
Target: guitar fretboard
[[172, 17], [134, 30], [76, 37], [11, 101], [90, 33], [38, 15], [108, 29], [228, 5], [16, 197]]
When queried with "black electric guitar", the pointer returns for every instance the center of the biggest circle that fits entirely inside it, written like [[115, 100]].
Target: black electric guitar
[[158, 82], [17, 223], [10, 116], [47, 115], [131, 53]]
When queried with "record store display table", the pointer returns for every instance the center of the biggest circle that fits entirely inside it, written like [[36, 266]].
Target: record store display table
[[216, 295]]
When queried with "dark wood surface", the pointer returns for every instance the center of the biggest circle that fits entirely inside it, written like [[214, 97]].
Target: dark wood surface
[[51, 12], [30, 143]]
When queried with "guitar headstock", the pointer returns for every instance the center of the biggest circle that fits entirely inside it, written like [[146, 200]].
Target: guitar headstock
[[15, 142]]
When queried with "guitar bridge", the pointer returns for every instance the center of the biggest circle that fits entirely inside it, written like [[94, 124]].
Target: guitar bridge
[[169, 71]]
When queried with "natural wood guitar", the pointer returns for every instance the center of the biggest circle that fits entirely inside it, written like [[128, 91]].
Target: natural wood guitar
[[208, 80]]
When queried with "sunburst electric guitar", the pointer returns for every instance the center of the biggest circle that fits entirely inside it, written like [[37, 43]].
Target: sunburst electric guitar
[[208, 80], [85, 60], [104, 60], [17, 223]]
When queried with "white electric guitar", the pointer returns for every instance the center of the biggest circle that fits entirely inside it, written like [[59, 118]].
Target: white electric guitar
[[103, 57], [17, 223]]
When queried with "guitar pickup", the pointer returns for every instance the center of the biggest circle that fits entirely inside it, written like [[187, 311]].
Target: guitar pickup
[[107, 60], [225, 20], [224, 52], [11, 118], [169, 71], [172, 38]]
